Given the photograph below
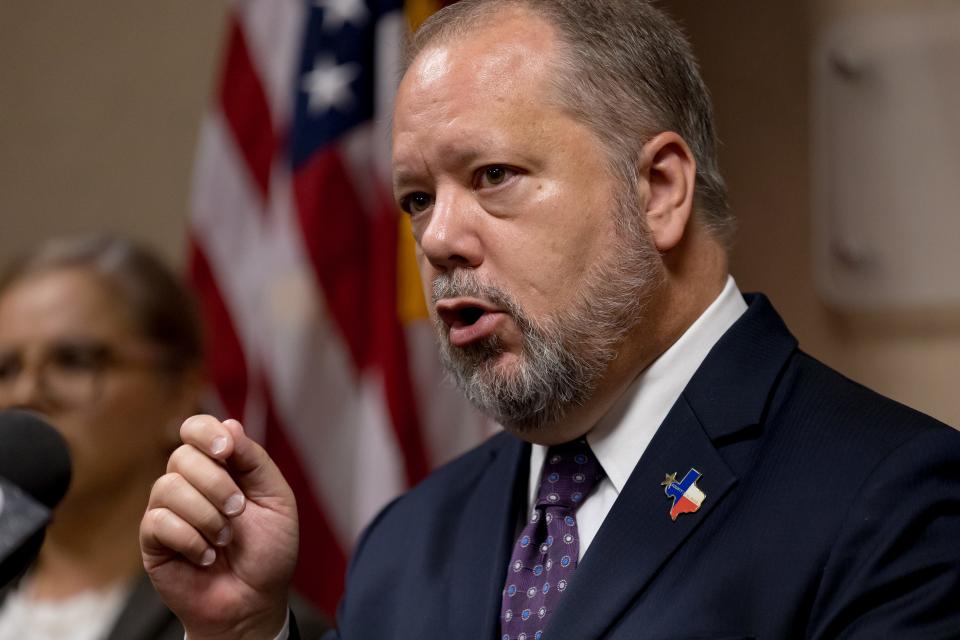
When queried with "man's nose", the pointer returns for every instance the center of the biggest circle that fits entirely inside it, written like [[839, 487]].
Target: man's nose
[[452, 236]]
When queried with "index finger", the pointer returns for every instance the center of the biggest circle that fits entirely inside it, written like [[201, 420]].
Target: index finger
[[209, 435], [248, 462]]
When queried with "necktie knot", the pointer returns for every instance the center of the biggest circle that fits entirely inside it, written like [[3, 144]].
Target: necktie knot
[[570, 473]]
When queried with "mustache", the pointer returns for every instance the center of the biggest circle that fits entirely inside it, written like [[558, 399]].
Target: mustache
[[461, 283]]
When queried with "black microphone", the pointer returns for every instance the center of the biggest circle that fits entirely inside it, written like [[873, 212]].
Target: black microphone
[[34, 476]]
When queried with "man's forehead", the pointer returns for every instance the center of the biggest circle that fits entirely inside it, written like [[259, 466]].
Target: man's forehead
[[472, 94], [430, 66], [490, 51]]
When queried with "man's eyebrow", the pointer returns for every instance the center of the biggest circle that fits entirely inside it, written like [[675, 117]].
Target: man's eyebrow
[[453, 159], [402, 178]]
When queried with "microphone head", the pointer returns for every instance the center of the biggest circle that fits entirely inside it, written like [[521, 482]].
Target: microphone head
[[34, 456]]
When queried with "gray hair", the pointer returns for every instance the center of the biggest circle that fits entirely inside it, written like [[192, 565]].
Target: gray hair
[[627, 72]]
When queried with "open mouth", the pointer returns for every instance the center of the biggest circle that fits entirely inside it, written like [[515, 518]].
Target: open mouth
[[468, 320], [462, 312], [468, 316]]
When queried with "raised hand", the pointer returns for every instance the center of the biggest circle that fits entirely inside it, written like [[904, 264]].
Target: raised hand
[[219, 537]]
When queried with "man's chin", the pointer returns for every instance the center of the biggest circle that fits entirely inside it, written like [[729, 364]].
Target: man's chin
[[505, 364], [525, 395]]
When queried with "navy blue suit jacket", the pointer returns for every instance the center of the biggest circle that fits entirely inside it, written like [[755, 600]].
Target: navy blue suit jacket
[[830, 511]]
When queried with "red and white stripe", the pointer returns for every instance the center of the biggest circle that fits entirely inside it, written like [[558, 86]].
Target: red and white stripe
[[349, 401]]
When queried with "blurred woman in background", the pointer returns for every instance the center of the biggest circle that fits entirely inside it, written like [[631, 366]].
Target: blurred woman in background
[[103, 341]]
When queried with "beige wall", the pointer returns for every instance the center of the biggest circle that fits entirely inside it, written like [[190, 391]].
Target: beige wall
[[99, 108], [100, 103], [755, 58]]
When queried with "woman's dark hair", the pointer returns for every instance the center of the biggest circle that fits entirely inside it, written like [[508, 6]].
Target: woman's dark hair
[[164, 311]]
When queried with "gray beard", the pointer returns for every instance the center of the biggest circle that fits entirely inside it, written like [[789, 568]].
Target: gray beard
[[564, 357]]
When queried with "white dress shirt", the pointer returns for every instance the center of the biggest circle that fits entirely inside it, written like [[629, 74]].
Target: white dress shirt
[[621, 436]]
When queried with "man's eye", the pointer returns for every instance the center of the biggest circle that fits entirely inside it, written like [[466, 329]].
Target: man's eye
[[416, 203], [494, 175]]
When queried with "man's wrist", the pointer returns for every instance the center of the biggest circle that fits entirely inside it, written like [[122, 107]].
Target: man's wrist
[[283, 634]]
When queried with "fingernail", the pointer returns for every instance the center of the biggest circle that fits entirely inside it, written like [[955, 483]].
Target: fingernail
[[208, 557], [223, 536], [233, 505], [219, 445]]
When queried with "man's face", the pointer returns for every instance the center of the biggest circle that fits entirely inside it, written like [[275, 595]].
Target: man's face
[[514, 211]]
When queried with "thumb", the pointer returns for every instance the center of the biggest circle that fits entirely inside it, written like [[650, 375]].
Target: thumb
[[251, 467]]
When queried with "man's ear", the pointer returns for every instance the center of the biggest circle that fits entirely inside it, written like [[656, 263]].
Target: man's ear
[[669, 169]]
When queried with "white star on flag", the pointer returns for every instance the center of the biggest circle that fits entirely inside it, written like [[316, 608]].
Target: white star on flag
[[337, 13], [329, 85]]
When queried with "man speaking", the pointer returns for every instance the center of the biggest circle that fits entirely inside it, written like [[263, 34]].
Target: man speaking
[[672, 465]]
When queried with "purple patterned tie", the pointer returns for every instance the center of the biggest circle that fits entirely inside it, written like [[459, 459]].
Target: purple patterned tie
[[547, 550]]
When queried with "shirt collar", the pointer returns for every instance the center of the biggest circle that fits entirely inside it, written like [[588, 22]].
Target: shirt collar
[[622, 435]]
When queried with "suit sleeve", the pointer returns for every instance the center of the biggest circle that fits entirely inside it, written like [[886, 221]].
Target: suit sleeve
[[342, 610], [894, 571]]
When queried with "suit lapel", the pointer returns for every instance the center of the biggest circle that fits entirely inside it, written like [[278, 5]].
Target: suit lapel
[[638, 535], [728, 394], [487, 536]]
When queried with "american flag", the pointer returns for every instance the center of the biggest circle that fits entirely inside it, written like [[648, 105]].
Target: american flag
[[318, 339]]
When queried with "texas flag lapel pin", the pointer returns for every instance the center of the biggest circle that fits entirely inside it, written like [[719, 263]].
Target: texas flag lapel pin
[[687, 496]]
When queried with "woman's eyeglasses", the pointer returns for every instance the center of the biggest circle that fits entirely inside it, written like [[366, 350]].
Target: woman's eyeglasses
[[70, 373]]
